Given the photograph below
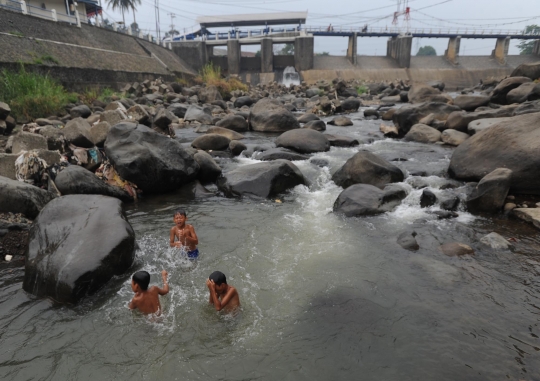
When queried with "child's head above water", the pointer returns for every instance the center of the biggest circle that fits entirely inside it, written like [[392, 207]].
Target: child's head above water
[[180, 212], [218, 277], [142, 279]]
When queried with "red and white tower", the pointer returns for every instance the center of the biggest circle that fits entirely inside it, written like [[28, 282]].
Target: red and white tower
[[402, 10]]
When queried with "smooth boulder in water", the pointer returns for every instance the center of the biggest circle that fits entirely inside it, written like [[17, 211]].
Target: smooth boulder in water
[[269, 115], [280, 153], [367, 168], [406, 117], [490, 193], [262, 179], [234, 122], [363, 200], [152, 161], [20, 197], [76, 245], [303, 141]]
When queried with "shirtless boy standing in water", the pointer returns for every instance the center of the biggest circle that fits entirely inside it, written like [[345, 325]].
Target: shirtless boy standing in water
[[222, 296], [183, 235], [147, 300]]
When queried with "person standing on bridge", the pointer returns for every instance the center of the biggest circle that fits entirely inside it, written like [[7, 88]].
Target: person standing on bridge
[[330, 28]]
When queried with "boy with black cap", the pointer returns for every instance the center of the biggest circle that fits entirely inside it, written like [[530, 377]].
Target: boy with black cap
[[222, 296], [147, 300]]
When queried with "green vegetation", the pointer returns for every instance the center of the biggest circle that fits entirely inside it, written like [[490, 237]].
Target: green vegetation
[[104, 95], [211, 76], [362, 89], [427, 51], [46, 59], [526, 46], [16, 33], [322, 54], [123, 6], [32, 95], [287, 50]]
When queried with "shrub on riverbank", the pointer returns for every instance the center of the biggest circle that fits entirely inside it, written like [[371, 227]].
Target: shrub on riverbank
[[211, 76], [32, 95]]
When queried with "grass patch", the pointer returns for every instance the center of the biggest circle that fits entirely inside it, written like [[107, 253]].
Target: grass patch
[[93, 94], [31, 95], [362, 90], [211, 76], [16, 33]]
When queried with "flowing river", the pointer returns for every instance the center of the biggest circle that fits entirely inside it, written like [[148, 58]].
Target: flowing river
[[323, 297]]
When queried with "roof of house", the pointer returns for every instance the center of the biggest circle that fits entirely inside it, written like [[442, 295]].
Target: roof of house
[[255, 19]]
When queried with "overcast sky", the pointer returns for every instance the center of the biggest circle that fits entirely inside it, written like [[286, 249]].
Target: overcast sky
[[425, 14]]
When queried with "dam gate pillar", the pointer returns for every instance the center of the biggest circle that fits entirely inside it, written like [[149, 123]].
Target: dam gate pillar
[[452, 53], [303, 53], [536, 48], [267, 55], [501, 50], [233, 56], [399, 48], [352, 48]]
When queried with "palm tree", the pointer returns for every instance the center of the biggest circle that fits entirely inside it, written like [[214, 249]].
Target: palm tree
[[124, 5]]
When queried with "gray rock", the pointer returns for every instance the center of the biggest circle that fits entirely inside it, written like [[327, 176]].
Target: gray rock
[[427, 199], [422, 133], [113, 116], [498, 95], [77, 180], [211, 142], [243, 101], [55, 138], [351, 105], [529, 70], [490, 193], [307, 117], [27, 141], [178, 109], [163, 119], [234, 122], [496, 241], [460, 120], [76, 245], [454, 137], [303, 141], [456, 249], [262, 179], [236, 147], [341, 121], [209, 94], [4, 110], [82, 111], [531, 215], [99, 132], [317, 125], [471, 102], [20, 197], [367, 168], [230, 134], [525, 92], [422, 93], [209, 170], [77, 132], [341, 141], [481, 124], [269, 115], [198, 114], [280, 153], [406, 117], [408, 241], [361, 200]]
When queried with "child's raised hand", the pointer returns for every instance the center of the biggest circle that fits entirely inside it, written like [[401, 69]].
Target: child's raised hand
[[210, 283], [164, 274]]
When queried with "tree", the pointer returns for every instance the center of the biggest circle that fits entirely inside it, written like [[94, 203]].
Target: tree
[[172, 33], [427, 51], [322, 54], [124, 5], [287, 50], [258, 53], [526, 46]]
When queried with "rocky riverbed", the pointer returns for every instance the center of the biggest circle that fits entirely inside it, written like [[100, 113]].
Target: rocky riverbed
[[404, 182]]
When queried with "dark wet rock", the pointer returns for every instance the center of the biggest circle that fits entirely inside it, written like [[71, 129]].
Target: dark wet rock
[[211, 142], [389, 131], [179, 109], [221, 154], [307, 117], [236, 147], [229, 134], [490, 149], [234, 122], [490, 193], [209, 94], [152, 161], [371, 113], [77, 180], [319, 162], [317, 125], [303, 141], [437, 85], [209, 170], [77, 132], [20, 197], [450, 203], [243, 101], [423, 93], [341, 141], [525, 92], [422, 133], [460, 120], [367, 168], [408, 241], [26, 141], [454, 137], [99, 132], [280, 153], [427, 199], [393, 194], [138, 114], [456, 249], [55, 138], [262, 179], [113, 116], [361, 200], [529, 70], [341, 121], [82, 111], [350, 105], [195, 190], [163, 119], [199, 114], [471, 102], [312, 92], [498, 95], [444, 214], [269, 115], [76, 245], [406, 117]]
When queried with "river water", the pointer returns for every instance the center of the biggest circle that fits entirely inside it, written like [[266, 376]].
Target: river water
[[323, 297]]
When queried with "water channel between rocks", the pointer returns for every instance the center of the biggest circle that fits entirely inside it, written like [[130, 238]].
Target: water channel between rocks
[[323, 297]]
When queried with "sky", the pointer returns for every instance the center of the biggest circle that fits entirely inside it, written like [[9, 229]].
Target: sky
[[489, 15]]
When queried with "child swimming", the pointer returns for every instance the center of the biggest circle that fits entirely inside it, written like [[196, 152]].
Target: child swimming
[[222, 296], [147, 300], [183, 235]]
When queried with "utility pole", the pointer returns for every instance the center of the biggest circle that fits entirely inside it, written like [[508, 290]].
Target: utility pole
[[173, 16], [156, 3]]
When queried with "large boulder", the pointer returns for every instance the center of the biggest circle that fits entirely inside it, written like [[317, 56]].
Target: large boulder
[[350, 104], [531, 71], [99, 132], [19, 197], [55, 138], [367, 168], [308, 117], [214, 142], [82, 111], [498, 95], [76, 245], [209, 94], [303, 141], [459, 120], [453, 137], [529, 91], [269, 115], [341, 140], [280, 153], [230, 134], [234, 122], [406, 117], [77, 180], [512, 144], [317, 125], [27, 141], [363, 200], [152, 161], [341, 121], [424, 93], [243, 101], [77, 132], [209, 170], [113, 116], [478, 125], [490, 193], [198, 114], [138, 114], [471, 102], [262, 179], [178, 109], [422, 133]]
